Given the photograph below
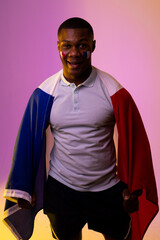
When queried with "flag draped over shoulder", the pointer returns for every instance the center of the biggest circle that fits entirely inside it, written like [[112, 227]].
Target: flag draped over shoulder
[[28, 170], [134, 160], [135, 166], [28, 175]]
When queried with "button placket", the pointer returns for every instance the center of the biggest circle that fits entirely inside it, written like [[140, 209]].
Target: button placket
[[75, 99]]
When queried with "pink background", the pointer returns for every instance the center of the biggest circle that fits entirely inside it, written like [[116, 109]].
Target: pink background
[[128, 47]]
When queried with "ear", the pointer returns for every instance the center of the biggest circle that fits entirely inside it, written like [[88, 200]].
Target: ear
[[58, 45], [93, 45]]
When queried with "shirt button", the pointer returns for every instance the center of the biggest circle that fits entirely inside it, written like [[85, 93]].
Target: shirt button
[[72, 85]]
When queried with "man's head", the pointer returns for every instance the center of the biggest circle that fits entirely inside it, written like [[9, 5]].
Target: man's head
[[76, 22], [76, 44]]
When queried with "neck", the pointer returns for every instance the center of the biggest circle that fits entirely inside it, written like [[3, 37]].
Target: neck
[[79, 78]]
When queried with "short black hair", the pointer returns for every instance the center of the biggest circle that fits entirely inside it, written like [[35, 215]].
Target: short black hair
[[76, 22]]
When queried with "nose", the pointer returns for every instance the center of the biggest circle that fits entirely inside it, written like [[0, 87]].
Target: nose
[[74, 52]]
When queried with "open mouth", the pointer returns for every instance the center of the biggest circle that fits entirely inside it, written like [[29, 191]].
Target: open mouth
[[74, 65]]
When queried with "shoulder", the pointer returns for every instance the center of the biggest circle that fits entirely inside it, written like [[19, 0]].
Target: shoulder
[[109, 81], [45, 91], [49, 85], [122, 96]]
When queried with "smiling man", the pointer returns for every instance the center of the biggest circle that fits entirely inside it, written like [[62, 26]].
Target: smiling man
[[82, 104], [83, 161], [75, 47]]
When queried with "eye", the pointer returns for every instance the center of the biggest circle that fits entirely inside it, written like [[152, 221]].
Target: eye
[[66, 46], [83, 46]]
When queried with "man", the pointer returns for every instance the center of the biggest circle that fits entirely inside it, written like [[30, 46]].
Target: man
[[81, 104]]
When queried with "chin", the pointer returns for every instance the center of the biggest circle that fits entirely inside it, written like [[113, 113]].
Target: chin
[[75, 73]]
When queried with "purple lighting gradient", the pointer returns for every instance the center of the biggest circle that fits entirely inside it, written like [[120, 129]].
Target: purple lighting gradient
[[127, 35]]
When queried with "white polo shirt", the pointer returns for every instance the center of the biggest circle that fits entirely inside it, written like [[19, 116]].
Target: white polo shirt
[[82, 122]]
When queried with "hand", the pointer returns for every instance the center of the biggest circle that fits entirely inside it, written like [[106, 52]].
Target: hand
[[130, 201], [22, 203]]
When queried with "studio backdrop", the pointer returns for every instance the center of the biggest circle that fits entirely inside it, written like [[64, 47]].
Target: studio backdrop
[[127, 37]]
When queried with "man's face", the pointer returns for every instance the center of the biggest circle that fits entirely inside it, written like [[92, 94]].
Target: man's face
[[75, 47]]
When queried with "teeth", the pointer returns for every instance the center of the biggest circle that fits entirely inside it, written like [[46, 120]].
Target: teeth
[[74, 65]]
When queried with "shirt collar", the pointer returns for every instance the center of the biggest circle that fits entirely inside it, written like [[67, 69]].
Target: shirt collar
[[89, 82]]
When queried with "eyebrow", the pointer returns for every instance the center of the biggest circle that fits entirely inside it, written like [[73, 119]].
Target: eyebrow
[[81, 40]]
